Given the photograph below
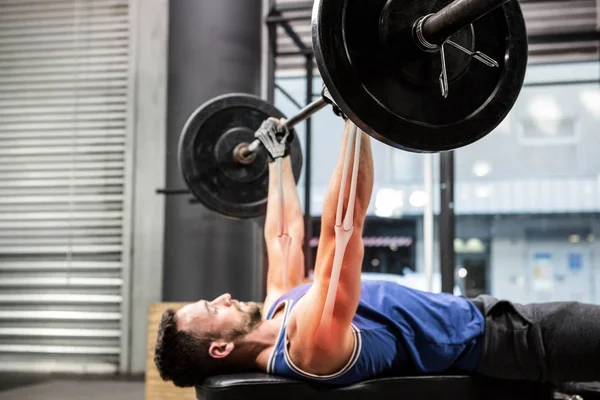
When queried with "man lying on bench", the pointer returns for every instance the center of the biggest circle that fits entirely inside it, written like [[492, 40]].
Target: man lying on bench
[[339, 330]]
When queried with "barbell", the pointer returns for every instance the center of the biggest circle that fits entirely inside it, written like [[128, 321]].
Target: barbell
[[418, 75], [215, 161]]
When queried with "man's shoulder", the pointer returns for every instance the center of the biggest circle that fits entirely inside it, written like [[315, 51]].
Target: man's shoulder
[[310, 351]]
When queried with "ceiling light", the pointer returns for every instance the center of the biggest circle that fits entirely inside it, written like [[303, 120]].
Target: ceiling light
[[483, 191], [546, 114], [389, 202], [574, 239], [462, 273], [384, 213], [475, 245], [418, 199], [481, 168], [590, 98]]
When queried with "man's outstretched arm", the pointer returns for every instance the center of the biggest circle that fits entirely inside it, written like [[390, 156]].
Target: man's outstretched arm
[[314, 346], [285, 266]]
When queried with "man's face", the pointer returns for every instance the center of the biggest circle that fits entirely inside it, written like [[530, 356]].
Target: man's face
[[223, 317]]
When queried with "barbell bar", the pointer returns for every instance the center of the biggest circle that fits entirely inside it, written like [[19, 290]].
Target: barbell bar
[[302, 115], [456, 15]]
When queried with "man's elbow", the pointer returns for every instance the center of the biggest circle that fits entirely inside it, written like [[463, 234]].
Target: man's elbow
[[296, 230]]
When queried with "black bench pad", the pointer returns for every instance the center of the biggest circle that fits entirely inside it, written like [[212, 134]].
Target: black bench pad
[[261, 386]]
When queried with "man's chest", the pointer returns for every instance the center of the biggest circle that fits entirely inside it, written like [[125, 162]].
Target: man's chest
[[286, 315]]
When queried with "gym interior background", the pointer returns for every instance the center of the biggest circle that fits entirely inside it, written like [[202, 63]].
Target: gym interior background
[[96, 224]]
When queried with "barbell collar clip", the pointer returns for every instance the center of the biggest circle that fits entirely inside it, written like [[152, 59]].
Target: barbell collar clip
[[444, 75], [478, 55], [420, 40]]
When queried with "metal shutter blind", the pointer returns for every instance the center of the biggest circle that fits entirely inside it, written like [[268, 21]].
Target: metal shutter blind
[[63, 101]]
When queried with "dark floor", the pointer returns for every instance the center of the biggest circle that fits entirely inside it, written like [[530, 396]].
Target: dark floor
[[10, 380], [53, 387]]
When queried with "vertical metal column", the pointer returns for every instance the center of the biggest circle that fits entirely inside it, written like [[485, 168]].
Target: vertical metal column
[[271, 65], [308, 231], [268, 54], [270, 97], [428, 226], [447, 222]]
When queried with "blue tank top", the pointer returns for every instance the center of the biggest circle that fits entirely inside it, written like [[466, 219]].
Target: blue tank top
[[396, 329]]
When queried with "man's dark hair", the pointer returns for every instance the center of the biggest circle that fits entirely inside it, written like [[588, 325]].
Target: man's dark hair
[[183, 357]]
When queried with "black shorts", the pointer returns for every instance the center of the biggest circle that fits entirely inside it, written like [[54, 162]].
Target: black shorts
[[547, 342]]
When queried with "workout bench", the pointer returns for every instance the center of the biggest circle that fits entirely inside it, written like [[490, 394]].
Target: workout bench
[[262, 386]]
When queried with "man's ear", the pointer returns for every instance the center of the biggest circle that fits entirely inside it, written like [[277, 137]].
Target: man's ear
[[220, 349]]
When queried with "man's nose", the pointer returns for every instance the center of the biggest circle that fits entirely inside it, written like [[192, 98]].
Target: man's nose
[[224, 299]]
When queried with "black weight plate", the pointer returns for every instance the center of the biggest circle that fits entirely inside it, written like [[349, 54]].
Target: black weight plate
[[389, 88], [206, 159]]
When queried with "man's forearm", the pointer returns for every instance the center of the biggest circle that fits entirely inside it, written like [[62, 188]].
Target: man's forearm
[[294, 228], [364, 188], [291, 204], [364, 184]]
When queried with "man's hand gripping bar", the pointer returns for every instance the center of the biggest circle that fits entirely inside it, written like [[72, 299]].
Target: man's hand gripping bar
[[343, 227]]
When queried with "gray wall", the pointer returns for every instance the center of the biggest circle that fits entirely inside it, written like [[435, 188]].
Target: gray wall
[[214, 48], [514, 244]]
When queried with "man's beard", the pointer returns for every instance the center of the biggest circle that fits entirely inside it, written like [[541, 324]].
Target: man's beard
[[253, 317], [254, 314], [242, 357]]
